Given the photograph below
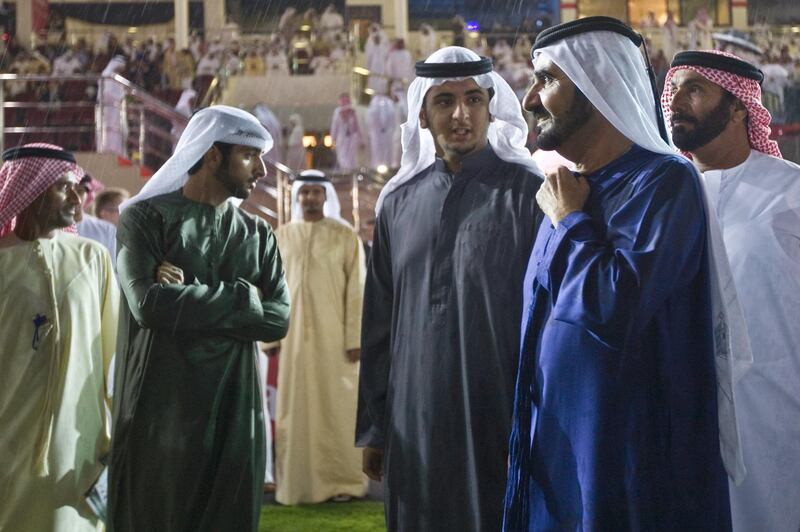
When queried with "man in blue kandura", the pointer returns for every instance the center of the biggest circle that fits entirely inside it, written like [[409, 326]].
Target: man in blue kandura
[[616, 423]]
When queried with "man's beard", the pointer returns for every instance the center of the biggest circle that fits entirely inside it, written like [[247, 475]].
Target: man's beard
[[236, 190], [561, 128], [704, 131]]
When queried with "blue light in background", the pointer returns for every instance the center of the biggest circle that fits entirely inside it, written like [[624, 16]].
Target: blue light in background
[[472, 25]]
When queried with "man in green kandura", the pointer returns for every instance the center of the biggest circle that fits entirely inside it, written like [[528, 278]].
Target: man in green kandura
[[202, 282]]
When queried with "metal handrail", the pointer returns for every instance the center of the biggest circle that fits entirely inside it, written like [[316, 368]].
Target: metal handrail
[[137, 101]]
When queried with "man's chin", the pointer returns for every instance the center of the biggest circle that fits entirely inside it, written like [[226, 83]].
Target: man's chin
[[462, 149], [685, 140], [548, 142]]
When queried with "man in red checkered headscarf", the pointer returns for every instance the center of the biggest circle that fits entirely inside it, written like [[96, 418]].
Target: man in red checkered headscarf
[[58, 326], [713, 101], [26, 177]]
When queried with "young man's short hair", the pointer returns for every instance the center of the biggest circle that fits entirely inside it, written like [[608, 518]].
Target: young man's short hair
[[223, 147]]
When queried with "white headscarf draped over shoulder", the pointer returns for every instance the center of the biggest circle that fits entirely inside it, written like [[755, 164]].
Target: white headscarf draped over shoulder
[[611, 71], [218, 123], [507, 135]]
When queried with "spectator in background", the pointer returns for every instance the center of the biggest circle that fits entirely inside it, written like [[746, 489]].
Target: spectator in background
[[295, 151], [399, 96], [90, 226], [185, 106], [375, 51], [502, 52], [321, 64], [288, 23], [115, 123], [382, 125], [522, 49], [776, 78], [107, 202], [276, 61], [786, 56], [649, 21], [660, 66], [346, 134], [83, 53], [700, 28], [428, 41], [669, 36], [254, 63], [271, 123], [399, 62], [67, 64], [331, 23], [185, 68], [209, 64], [318, 377], [339, 55], [197, 47], [459, 28], [169, 65]]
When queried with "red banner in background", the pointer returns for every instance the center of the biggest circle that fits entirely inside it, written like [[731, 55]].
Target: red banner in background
[[40, 15]]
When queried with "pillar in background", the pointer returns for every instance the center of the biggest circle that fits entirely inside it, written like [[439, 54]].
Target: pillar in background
[[739, 14], [24, 27], [569, 10], [181, 24], [401, 19], [214, 17]]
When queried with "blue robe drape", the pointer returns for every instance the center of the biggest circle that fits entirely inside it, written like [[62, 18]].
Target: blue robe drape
[[615, 421]]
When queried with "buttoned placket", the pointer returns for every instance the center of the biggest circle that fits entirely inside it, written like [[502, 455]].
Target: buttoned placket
[[446, 238]]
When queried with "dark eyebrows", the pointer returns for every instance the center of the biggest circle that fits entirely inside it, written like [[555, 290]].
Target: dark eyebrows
[[443, 95], [474, 91], [691, 83]]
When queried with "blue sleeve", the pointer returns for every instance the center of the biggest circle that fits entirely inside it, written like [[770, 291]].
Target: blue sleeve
[[611, 282]]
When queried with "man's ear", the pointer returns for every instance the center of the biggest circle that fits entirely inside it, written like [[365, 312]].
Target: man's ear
[[739, 113], [423, 118], [213, 157]]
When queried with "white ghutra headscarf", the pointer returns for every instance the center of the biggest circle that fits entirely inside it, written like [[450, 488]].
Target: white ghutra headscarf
[[332, 209], [507, 134], [610, 70], [218, 123]]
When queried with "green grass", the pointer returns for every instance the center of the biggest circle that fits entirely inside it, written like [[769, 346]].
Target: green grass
[[357, 516]]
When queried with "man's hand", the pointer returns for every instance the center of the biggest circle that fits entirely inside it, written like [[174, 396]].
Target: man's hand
[[353, 355], [561, 194], [372, 463], [168, 273]]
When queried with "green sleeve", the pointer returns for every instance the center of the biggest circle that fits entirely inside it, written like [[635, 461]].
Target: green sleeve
[[195, 307], [275, 303]]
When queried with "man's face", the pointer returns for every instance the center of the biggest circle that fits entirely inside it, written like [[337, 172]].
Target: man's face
[[457, 115], [59, 205], [240, 170], [557, 105], [701, 110], [82, 192], [311, 199], [110, 210]]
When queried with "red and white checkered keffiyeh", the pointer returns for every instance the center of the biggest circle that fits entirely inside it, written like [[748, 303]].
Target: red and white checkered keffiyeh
[[93, 186], [25, 179], [748, 91]]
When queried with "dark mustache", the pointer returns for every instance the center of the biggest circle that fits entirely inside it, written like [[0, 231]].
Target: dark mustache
[[539, 112], [685, 118]]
